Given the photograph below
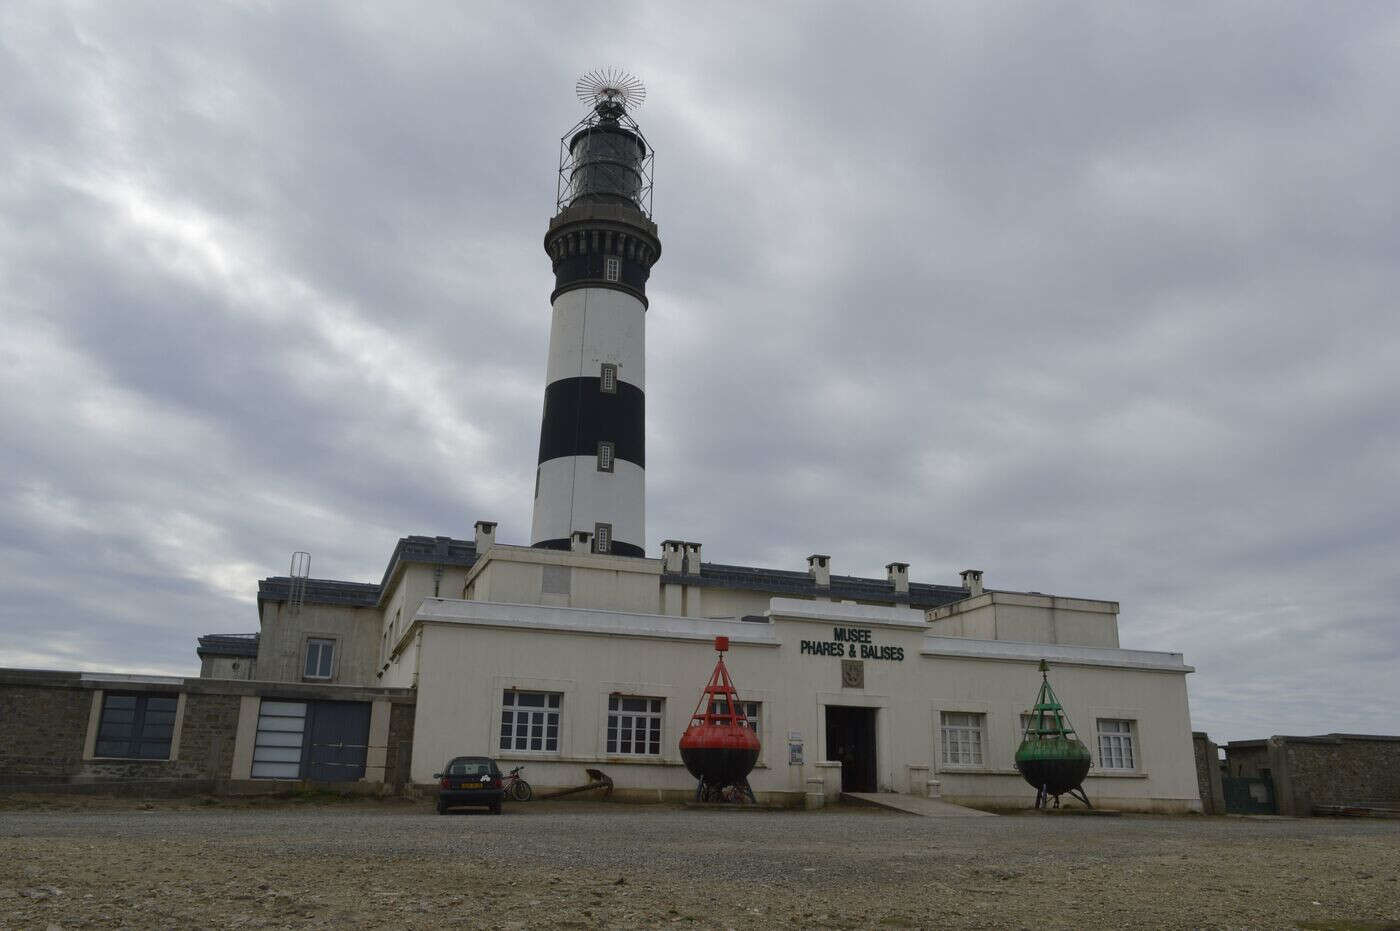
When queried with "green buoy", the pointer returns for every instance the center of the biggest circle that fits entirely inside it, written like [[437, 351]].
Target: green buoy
[[1051, 758]]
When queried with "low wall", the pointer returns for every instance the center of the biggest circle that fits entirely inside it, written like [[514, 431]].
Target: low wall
[[1328, 771], [1339, 770], [50, 720]]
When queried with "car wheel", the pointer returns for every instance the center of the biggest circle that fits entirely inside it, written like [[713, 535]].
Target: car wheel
[[441, 807]]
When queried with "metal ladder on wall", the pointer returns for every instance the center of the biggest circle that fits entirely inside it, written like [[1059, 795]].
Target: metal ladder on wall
[[299, 572]]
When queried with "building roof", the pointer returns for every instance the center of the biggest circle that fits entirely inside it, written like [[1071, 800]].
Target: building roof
[[802, 585], [447, 551], [228, 645], [1317, 738], [320, 591], [440, 551]]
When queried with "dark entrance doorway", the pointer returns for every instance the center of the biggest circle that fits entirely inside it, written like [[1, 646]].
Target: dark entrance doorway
[[850, 739], [1249, 796], [338, 741]]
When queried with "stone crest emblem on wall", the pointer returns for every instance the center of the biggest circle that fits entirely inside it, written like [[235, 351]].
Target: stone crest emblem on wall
[[852, 674]]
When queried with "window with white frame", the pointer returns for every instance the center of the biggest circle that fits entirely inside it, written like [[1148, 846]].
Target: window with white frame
[[320, 654], [605, 456], [962, 738], [602, 538], [612, 268], [530, 720], [634, 725], [607, 378], [753, 711], [1116, 744]]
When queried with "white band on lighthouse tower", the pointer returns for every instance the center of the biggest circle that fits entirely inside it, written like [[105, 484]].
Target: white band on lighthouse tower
[[579, 487]]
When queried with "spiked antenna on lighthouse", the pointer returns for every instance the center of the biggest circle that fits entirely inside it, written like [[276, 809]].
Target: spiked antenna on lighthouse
[[612, 86]]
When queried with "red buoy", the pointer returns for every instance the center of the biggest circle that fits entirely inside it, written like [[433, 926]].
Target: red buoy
[[719, 747]]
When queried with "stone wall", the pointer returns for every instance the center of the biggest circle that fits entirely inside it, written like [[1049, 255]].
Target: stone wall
[[1334, 770], [45, 725], [46, 716], [1208, 777], [398, 758], [206, 747], [1342, 770]]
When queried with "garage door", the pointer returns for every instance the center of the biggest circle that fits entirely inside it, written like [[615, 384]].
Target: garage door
[[325, 741]]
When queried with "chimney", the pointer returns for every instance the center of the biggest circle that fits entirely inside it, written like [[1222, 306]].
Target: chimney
[[485, 535], [692, 558], [972, 581], [899, 577], [672, 557], [581, 541], [819, 568]]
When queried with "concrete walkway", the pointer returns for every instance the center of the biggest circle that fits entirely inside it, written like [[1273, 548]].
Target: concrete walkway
[[914, 805]]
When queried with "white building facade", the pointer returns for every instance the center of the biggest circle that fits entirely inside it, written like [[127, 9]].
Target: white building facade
[[860, 697]]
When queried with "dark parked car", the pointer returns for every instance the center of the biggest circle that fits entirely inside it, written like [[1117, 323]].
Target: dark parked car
[[469, 780]]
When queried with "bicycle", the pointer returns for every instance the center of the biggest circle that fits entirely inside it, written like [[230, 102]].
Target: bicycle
[[515, 787]]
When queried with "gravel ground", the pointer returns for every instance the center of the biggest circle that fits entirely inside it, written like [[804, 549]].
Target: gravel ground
[[562, 864]]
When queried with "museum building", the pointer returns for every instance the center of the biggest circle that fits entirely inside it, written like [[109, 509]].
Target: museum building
[[580, 651]]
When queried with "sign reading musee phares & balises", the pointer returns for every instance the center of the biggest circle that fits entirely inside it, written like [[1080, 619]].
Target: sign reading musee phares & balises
[[853, 643]]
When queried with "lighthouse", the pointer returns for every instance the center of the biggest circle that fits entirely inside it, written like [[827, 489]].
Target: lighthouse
[[590, 482]]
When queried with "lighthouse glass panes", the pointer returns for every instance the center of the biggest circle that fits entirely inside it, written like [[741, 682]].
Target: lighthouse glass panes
[[612, 268], [962, 738], [602, 538], [607, 379], [530, 720], [605, 456], [1116, 744], [634, 726]]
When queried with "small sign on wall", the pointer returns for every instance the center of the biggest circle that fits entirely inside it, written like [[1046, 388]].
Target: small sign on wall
[[795, 757]]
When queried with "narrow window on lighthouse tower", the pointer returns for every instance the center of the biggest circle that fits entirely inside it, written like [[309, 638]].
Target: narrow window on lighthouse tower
[[612, 268], [607, 381], [605, 456], [602, 538]]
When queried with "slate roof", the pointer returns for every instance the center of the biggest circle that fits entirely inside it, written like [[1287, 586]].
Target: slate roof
[[802, 585], [440, 551], [228, 645], [320, 591], [448, 551], [444, 551]]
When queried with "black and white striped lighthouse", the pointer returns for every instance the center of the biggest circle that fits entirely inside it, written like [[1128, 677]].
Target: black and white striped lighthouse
[[592, 464]]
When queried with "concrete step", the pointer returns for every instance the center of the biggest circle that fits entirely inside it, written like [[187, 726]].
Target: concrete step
[[914, 805]]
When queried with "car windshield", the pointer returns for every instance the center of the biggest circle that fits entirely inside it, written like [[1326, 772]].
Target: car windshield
[[468, 767]]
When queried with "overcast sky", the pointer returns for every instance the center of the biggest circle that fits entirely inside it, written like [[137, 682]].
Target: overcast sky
[[1099, 299]]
